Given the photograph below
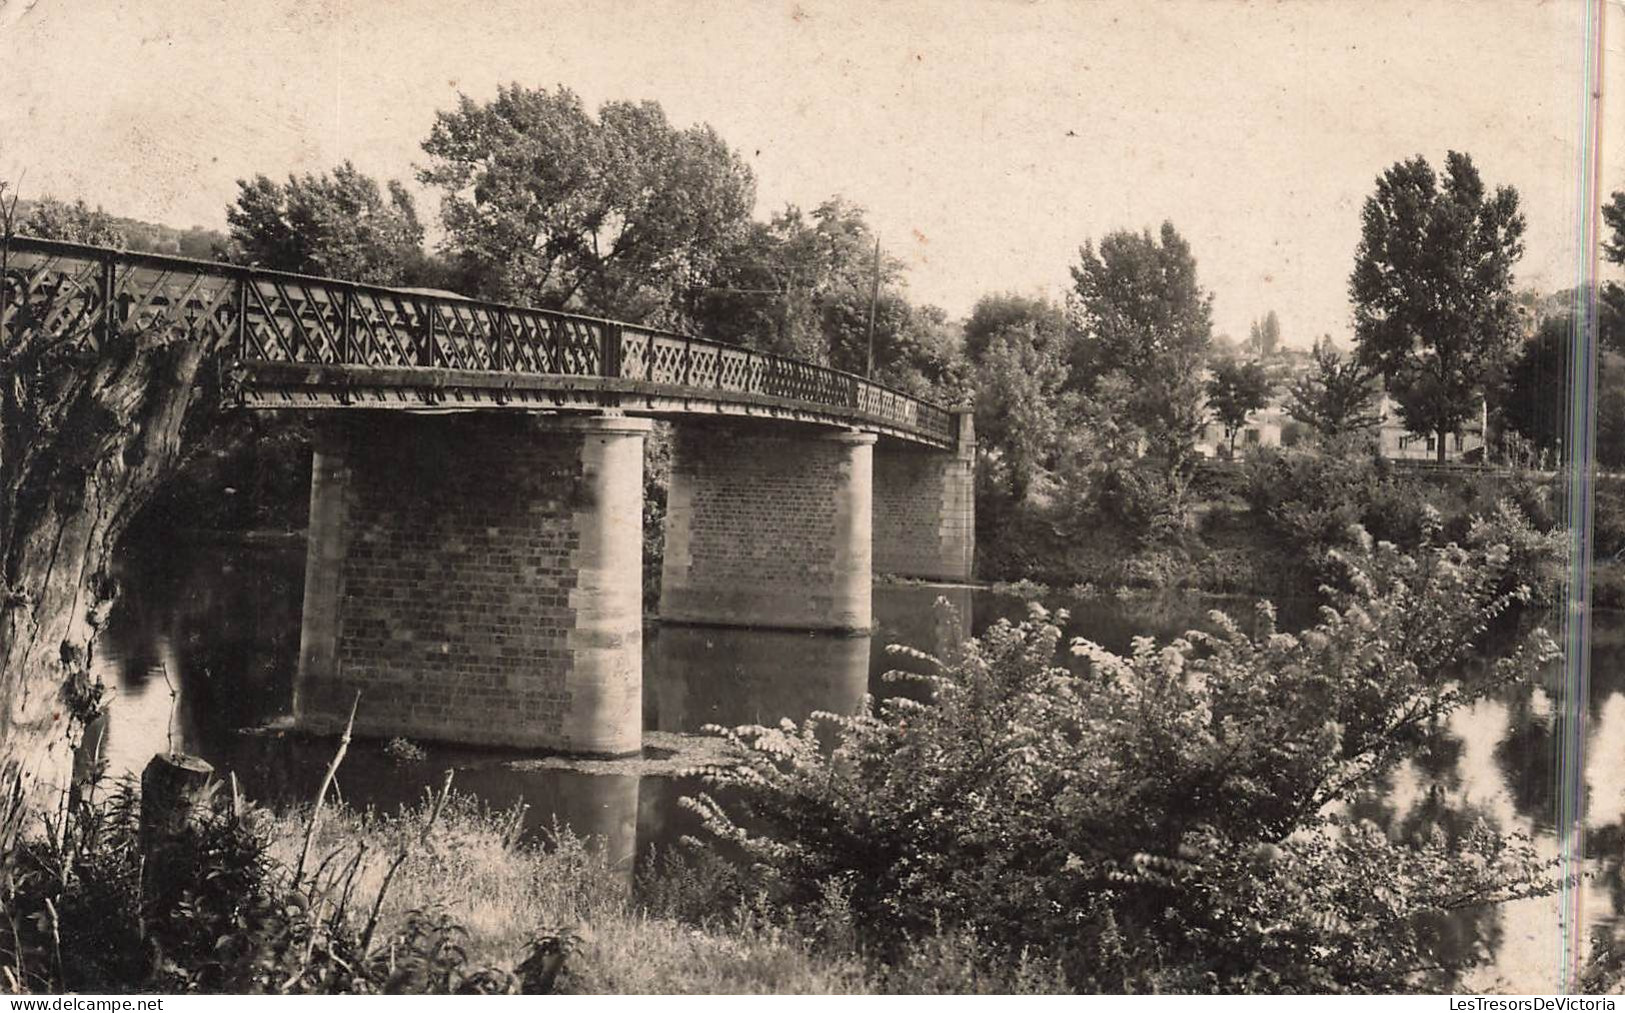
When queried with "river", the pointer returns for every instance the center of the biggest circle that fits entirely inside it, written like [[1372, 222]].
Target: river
[[202, 646]]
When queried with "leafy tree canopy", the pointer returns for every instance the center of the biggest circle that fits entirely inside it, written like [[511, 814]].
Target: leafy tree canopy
[[1535, 397], [1269, 333], [1235, 391], [340, 225], [1139, 307], [1139, 312], [618, 213], [1264, 337], [1612, 295], [1021, 410], [1338, 398], [1432, 288], [801, 284], [78, 222], [1613, 215], [996, 313]]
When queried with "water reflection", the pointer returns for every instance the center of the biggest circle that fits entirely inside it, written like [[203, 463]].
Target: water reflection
[[700, 675], [221, 625]]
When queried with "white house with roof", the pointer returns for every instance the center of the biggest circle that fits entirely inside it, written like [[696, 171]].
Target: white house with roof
[[1399, 443]]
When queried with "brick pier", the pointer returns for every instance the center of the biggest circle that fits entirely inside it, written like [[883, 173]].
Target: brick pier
[[769, 529], [477, 579], [925, 508], [477, 576]]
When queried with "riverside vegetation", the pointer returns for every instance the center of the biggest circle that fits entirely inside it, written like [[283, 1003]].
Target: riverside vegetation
[[1173, 819]]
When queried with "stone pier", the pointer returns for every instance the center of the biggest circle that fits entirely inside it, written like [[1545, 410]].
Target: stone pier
[[769, 528], [477, 578], [925, 508]]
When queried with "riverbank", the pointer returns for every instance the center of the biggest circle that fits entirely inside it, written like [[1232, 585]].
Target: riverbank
[[621, 932], [1264, 527], [685, 917]]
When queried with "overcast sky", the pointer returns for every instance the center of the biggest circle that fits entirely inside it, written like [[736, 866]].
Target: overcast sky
[[987, 139]]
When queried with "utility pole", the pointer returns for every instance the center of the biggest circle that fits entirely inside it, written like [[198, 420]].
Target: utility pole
[[874, 300]]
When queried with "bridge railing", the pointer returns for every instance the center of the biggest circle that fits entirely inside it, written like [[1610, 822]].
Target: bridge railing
[[84, 293]]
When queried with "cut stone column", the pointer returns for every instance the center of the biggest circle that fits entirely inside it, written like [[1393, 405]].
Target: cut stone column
[[478, 579], [769, 529], [925, 508]]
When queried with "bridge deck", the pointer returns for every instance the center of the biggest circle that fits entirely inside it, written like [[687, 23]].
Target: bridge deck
[[300, 342]]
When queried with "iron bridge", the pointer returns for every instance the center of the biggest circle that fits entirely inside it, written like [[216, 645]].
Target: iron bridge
[[292, 341]]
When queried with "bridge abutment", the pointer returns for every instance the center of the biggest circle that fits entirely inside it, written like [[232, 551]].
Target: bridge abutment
[[925, 508], [477, 579], [769, 529]]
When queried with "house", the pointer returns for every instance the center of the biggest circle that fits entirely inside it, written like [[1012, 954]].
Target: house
[[1264, 429], [1268, 426], [1398, 443]]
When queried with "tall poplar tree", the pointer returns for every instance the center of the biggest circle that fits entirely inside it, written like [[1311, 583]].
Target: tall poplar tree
[[1432, 289]]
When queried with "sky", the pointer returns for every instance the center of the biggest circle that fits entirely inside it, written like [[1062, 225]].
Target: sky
[[988, 139]]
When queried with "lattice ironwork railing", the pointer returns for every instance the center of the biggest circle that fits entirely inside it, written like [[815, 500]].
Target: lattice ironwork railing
[[68, 292]]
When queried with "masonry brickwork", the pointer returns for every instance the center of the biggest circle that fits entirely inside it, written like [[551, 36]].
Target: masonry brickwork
[[925, 509], [477, 579], [769, 528]]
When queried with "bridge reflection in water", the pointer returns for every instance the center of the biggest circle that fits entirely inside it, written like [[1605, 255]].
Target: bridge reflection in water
[[706, 675], [700, 675]]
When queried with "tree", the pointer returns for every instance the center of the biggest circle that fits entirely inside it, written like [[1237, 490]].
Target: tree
[[90, 424], [936, 366], [1138, 312], [757, 296], [337, 225], [1612, 295], [801, 285], [1138, 306], [1222, 347], [49, 218], [1235, 391], [1337, 399], [619, 214], [997, 313], [1021, 409], [1432, 288], [1269, 335], [1535, 397], [1613, 215]]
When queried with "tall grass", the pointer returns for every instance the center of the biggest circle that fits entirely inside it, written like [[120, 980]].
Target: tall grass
[[471, 863]]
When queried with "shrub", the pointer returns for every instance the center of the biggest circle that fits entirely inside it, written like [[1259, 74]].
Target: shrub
[[1163, 820], [1310, 503], [1158, 569], [402, 751], [1533, 556]]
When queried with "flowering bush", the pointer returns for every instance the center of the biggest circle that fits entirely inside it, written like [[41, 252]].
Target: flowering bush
[[1168, 819]]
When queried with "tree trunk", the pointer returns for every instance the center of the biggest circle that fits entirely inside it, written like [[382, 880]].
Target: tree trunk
[[85, 437], [174, 786], [1441, 446]]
